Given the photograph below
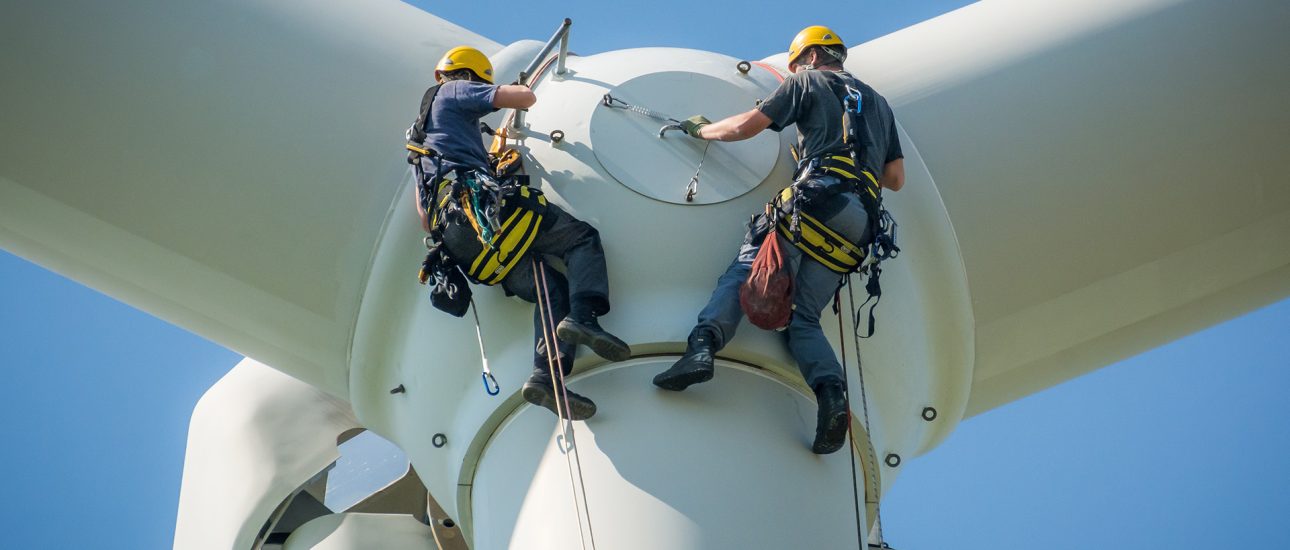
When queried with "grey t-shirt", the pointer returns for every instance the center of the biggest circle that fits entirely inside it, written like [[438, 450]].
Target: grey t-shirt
[[812, 99], [452, 128]]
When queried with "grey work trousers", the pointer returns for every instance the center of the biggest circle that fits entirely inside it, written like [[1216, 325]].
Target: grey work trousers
[[814, 286]]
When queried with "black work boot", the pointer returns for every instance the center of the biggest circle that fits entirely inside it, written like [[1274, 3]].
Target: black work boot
[[586, 331], [539, 391], [831, 419], [693, 367]]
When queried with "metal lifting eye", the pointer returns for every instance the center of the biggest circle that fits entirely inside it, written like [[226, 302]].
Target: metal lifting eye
[[744, 67], [557, 136], [439, 440]]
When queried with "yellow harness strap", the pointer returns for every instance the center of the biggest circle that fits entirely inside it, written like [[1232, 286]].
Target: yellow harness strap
[[822, 244], [845, 167], [433, 213], [512, 241]]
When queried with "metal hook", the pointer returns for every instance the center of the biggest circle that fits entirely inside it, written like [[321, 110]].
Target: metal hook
[[665, 129]]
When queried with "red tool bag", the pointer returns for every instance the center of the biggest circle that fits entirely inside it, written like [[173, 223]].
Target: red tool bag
[[767, 296]]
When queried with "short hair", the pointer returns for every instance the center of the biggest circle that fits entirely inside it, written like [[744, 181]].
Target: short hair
[[831, 55], [460, 74]]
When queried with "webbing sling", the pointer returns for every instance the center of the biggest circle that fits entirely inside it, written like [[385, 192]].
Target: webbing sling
[[510, 243]]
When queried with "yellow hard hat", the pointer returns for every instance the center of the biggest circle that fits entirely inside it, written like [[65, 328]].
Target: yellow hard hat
[[816, 35], [465, 57]]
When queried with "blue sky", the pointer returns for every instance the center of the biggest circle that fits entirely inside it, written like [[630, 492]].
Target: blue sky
[[1180, 447]]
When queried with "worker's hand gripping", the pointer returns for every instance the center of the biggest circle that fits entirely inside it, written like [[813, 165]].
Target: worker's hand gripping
[[693, 124]]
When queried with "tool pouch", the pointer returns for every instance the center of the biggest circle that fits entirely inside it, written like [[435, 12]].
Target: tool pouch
[[449, 290], [450, 293], [767, 296]]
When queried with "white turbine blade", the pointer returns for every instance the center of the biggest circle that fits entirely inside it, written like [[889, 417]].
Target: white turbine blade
[[256, 436], [226, 165], [1115, 171]]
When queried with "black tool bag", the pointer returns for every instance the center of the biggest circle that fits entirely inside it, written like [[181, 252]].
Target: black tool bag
[[451, 293], [449, 290]]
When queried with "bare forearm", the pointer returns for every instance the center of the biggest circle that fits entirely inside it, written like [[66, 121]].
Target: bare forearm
[[725, 130], [735, 128], [514, 96]]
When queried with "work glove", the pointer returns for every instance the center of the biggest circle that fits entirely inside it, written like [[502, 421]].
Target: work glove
[[691, 125]]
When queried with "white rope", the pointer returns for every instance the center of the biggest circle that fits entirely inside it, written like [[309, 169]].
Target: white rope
[[556, 368]]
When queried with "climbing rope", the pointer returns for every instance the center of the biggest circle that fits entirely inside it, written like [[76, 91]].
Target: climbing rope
[[864, 402], [556, 369], [851, 446]]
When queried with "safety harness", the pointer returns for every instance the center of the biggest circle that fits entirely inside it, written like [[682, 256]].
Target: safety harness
[[816, 239], [508, 244], [498, 206]]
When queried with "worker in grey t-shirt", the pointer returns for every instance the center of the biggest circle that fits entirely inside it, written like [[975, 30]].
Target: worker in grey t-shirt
[[835, 188]]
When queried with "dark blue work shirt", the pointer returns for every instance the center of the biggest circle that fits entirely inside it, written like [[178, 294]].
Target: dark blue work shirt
[[452, 128]]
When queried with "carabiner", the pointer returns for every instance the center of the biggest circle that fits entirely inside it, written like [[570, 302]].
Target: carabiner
[[490, 383]]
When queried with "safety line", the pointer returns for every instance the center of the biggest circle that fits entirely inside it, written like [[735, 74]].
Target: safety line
[[864, 401], [566, 423], [692, 188], [547, 337], [851, 446], [490, 383]]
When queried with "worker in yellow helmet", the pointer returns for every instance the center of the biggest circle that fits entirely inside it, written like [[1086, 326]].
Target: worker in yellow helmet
[[490, 227], [827, 219]]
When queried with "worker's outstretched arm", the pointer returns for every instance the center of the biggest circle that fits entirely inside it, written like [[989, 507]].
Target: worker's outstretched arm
[[514, 96], [735, 128], [893, 175]]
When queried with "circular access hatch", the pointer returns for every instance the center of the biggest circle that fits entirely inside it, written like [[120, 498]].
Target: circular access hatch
[[628, 145]]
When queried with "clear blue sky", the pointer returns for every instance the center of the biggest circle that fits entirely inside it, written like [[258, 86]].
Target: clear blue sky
[[1181, 447]]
